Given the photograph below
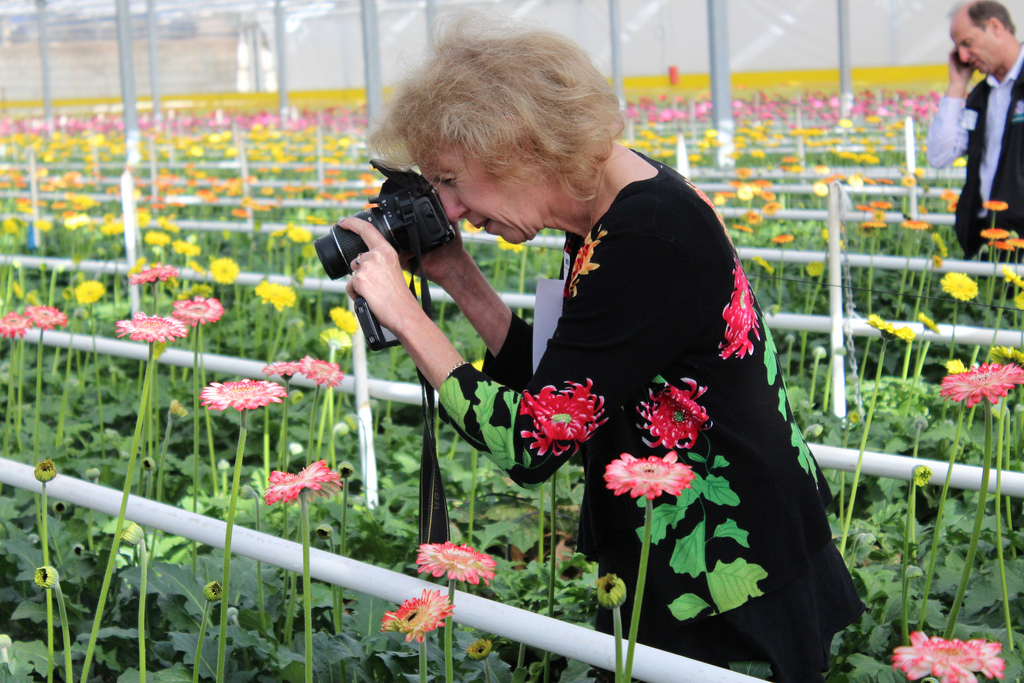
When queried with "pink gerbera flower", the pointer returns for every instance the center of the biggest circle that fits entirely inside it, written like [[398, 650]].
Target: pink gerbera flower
[[157, 272], [321, 371], [951, 661], [648, 477], [282, 369], [990, 380], [459, 561], [151, 328], [244, 395], [46, 317], [198, 311], [418, 616], [315, 480], [14, 325]]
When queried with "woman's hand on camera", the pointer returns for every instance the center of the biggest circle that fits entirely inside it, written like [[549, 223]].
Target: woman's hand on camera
[[377, 277]]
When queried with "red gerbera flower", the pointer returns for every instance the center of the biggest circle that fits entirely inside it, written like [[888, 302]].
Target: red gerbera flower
[[282, 368], [315, 480], [460, 562], [14, 325], [46, 317], [649, 477], [418, 616], [562, 419], [990, 380], [740, 318], [321, 371], [673, 415], [157, 272], [951, 661], [198, 311], [151, 328], [244, 395]]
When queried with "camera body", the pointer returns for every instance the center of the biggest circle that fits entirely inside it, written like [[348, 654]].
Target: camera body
[[407, 212], [406, 209]]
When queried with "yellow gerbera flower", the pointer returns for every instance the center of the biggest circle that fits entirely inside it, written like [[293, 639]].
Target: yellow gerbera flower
[[89, 292], [186, 248], [959, 286], [955, 367], [1012, 276], [883, 326], [508, 246], [280, 296], [344, 319], [299, 235], [815, 269], [224, 270], [927, 322], [156, 238], [1005, 354], [906, 334], [764, 264]]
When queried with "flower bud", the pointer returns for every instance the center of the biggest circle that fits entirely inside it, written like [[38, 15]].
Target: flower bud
[[819, 352], [346, 470], [295, 448], [233, 615], [324, 531], [922, 475], [45, 471], [60, 507], [78, 549], [213, 591], [177, 410], [148, 464], [813, 431], [93, 474], [46, 577], [247, 492], [223, 465], [5, 641], [611, 591], [479, 649], [132, 534]]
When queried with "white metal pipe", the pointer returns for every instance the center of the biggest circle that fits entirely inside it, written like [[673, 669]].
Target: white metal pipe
[[835, 300], [367, 453], [131, 233], [966, 477], [908, 128], [518, 625]]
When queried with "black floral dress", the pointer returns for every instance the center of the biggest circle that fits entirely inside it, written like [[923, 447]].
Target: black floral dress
[[662, 347]]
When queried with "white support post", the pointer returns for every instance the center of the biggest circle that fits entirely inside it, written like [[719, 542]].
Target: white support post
[[33, 187], [908, 128], [367, 455], [152, 168], [682, 158], [131, 232], [835, 299]]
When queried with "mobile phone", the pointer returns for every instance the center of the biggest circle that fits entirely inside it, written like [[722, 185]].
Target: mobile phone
[[377, 337]]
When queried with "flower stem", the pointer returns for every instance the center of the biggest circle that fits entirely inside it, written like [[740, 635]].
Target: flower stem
[[202, 637], [224, 603], [64, 626], [617, 627], [307, 597], [449, 668], [423, 662], [195, 438], [979, 520], [638, 597], [1003, 426], [143, 565], [116, 542]]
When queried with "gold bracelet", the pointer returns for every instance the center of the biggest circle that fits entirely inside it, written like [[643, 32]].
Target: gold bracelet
[[456, 367]]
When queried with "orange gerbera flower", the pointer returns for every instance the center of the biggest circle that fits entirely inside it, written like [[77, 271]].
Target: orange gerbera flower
[[771, 208], [1002, 245], [753, 217], [782, 239], [995, 205], [994, 233], [880, 205], [949, 196], [742, 228], [872, 225], [915, 225]]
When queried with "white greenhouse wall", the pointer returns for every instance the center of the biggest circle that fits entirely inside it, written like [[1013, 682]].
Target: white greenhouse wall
[[324, 51]]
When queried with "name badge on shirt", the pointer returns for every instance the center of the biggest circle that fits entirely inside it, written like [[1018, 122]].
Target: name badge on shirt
[[970, 120]]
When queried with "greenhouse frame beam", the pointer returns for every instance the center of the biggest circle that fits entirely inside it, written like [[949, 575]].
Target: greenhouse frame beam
[[280, 59], [154, 62], [371, 59], [44, 64], [125, 51], [518, 625], [615, 26], [845, 67], [721, 79]]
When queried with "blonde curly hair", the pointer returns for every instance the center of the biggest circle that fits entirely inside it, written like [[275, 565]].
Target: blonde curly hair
[[519, 100]]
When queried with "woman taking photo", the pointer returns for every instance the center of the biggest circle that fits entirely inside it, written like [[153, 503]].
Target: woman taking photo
[[660, 347]]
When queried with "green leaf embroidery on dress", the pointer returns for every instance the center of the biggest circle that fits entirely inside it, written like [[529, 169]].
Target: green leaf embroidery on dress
[[689, 556], [687, 606], [456, 404], [666, 516], [804, 457], [771, 361], [733, 583], [782, 401], [729, 529], [498, 442], [716, 490]]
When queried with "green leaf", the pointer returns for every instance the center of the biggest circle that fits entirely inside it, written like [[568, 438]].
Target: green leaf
[[688, 557], [687, 606], [733, 583], [720, 461], [716, 490], [729, 529], [666, 516], [30, 610]]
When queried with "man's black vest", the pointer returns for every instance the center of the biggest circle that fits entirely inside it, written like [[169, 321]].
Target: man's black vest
[[1008, 185]]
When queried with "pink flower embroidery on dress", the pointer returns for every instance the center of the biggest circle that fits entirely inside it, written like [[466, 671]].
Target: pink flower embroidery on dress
[[673, 415], [740, 318], [562, 419]]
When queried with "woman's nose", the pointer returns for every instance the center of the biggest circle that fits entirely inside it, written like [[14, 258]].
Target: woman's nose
[[454, 209]]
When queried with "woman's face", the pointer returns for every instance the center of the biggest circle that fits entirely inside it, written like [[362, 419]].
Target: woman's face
[[513, 210]]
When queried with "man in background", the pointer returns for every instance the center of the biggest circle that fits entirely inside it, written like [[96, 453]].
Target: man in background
[[987, 124]]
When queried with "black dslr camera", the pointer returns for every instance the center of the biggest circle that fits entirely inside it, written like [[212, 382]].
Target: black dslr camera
[[407, 212]]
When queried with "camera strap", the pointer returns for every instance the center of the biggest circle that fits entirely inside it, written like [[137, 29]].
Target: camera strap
[[433, 505]]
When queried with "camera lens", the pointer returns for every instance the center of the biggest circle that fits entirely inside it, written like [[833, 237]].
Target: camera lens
[[337, 249]]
